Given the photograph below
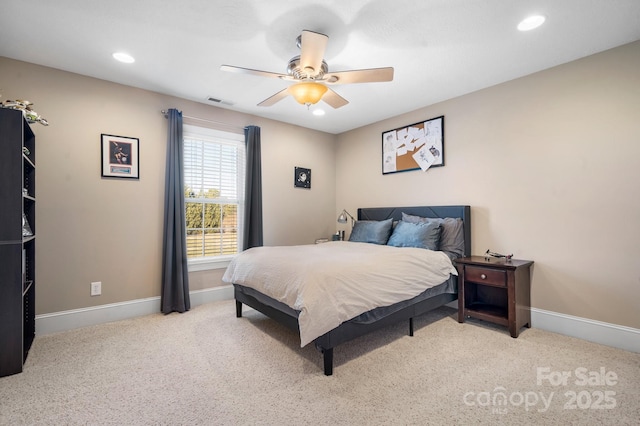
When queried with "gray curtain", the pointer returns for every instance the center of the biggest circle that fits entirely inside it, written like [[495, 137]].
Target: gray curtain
[[175, 274], [253, 197]]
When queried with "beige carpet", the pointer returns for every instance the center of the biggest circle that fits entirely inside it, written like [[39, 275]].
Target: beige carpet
[[208, 367]]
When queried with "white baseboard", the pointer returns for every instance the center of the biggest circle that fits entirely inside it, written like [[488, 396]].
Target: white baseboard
[[617, 336], [200, 297], [76, 318]]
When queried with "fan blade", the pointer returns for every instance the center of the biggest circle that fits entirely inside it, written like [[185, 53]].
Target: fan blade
[[239, 70], [333, 99], [373, 75], [312, 47], [275, 98]]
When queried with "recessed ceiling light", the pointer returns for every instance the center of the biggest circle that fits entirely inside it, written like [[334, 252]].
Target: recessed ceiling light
[[124, 57], [531, 22], [318, 112]]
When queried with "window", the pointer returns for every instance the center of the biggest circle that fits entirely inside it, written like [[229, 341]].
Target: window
[[214, 165]]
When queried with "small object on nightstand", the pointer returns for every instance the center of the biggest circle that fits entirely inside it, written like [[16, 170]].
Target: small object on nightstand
[[489, 254], [495, 290], [322, 240]]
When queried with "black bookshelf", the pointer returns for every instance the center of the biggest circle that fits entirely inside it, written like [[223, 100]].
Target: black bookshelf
[[17, 247]]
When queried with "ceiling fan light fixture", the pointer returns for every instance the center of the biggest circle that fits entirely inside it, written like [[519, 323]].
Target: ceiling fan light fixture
[[309, 73], [307, 93]]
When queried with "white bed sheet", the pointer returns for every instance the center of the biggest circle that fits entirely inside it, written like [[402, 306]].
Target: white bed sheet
[[333, 282]]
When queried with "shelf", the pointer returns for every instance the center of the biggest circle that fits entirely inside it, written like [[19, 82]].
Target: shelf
[[17, 252], [28, 161], [491, 313], [26, 286], [487, 309]]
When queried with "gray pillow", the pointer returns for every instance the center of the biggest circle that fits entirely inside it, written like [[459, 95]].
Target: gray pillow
[[451, 236], [422, 235], [371, 231]]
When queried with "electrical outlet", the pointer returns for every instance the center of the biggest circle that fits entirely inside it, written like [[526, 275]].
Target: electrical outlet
[[96, 288]]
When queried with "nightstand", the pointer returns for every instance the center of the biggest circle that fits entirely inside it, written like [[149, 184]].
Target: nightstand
[[495, 290]]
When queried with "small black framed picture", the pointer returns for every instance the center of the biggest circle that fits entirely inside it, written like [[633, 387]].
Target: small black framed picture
[[120, 157], [302, 177]]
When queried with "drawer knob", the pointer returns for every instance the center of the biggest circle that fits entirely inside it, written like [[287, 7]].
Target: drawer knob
[[483, 276]]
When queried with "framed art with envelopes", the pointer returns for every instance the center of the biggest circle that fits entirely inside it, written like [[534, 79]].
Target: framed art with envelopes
[[414, 147]]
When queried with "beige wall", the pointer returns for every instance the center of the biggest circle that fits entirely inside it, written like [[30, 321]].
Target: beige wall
[[94, 229], [550, 164]]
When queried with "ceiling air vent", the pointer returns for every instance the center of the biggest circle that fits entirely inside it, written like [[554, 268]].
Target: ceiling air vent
[[218, 101]]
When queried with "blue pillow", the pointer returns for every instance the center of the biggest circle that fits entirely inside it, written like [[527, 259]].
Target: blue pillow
[[371, 231], [451, 235], [422, 235]]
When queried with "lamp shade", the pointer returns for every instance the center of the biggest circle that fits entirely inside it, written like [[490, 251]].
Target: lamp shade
[[307, 93], [343, 218]]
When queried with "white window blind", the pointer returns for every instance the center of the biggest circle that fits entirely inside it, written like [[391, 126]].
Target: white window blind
[[214, 172]]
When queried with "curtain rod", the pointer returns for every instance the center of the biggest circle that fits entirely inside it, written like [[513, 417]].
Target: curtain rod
[[230, 126]]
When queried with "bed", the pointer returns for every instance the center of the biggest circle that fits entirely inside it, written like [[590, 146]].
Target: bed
[[357, 318]]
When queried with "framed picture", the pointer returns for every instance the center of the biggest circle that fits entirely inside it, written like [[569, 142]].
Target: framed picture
[[120, 157], [302, 177], [417, 146]]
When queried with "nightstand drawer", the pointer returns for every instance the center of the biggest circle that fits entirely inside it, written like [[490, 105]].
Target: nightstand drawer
[[496, 277]]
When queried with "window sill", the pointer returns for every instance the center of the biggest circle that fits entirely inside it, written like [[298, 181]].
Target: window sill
[[221, 262]]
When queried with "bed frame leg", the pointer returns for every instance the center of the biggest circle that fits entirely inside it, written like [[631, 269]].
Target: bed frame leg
[[411, 326], [328, 361], [238, 309]]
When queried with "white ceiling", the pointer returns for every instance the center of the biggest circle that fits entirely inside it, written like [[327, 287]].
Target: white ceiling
[[440, 49]]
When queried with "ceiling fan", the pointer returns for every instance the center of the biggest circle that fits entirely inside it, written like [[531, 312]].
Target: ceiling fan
[[310, 74]]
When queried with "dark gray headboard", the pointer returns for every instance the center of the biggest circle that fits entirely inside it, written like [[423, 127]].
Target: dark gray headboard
[[383, 213]]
